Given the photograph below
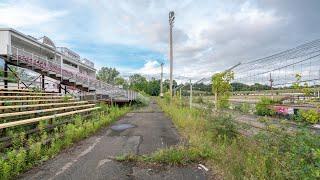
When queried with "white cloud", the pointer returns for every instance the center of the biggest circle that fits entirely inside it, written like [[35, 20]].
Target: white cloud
[[209, 36], [23, 14]]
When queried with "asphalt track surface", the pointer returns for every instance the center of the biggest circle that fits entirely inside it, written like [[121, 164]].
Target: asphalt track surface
[[140, 132]]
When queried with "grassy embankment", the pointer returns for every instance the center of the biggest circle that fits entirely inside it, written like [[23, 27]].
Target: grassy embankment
[[214, 140], [30, 151]]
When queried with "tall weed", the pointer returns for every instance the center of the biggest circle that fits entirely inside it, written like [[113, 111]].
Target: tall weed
[[273, 155]]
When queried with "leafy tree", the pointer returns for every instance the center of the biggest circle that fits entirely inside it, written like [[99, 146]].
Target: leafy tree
[[221, 88], [153, 88], [121, 81], [304, 88], [202, 87], [236, 86], [138, 82], [107, 74], [166, 85]]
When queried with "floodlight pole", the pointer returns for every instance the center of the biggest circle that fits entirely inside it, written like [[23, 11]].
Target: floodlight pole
[[190, 94], [161, 81], [171, 21]]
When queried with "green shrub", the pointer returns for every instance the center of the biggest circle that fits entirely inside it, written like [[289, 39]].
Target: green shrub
[[142, 100], [275, 154], [245, 108], [223, 126], [311, 115], [66, 98], [262, 107], [38, 149]]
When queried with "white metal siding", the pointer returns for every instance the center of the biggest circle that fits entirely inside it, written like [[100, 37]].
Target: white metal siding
[[4, 41]]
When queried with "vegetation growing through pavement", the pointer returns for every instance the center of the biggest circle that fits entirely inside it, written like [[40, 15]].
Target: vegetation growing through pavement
[[214, 139], [45, 145]]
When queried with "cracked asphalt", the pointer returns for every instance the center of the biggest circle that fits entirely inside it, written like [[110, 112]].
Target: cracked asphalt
[[140, 132]]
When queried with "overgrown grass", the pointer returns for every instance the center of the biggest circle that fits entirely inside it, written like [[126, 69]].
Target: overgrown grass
[[215, 139], [43, 146]]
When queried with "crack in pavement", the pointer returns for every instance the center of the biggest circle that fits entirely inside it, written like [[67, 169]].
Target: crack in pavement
[[92, 158], [83, 153]]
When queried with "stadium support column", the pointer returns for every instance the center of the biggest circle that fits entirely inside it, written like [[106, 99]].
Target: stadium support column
[[5, 74], [42, 82]]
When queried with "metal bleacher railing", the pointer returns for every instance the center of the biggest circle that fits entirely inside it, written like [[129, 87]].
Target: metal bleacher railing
[[53, 67]]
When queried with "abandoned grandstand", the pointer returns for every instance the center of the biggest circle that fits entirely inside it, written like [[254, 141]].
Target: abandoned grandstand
[[55, 69]]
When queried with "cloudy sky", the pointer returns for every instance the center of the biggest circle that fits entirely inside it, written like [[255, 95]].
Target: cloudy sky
[[132, 35]]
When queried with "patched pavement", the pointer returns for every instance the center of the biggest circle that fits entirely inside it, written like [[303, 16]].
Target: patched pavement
[[139, 132]]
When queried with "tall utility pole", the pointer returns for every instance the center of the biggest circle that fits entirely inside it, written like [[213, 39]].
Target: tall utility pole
[[171, 21], [190, 94], [161, 81]]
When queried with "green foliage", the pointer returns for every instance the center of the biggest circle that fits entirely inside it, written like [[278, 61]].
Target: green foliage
[[245, 108], [153, 88], [262, 107], [66, 98], [214, 138], [138, 82], [36, 89], [244, 87], [221, 88], [223, 126], [18, 159], [311, 116], [142, 100], [107, 74], [121, 81]]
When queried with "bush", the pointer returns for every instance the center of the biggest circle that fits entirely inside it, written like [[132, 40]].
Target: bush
[[245, 108], [272, 155], [262, 107], [311, 116], [223, 126], [18, 158], [142, 100]]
